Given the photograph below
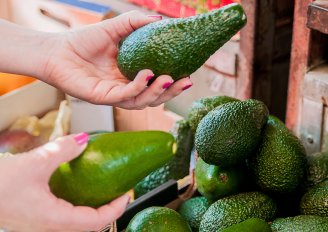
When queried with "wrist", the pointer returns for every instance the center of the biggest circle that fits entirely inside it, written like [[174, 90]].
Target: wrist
[[24, 51]]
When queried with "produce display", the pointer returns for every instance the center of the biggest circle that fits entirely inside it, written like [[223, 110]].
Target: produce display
[[256, 177], [178, 47]]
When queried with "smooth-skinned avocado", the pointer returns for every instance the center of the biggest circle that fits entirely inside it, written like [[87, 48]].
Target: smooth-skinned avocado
[[179, 46], [177, 168], [230, 133], [193, 210], [234, 209], [202, 106], [250, 225], [158, 219], [111, 164], [317, 170], [301, 223], [214, 182], [279, 166], [315, 201]]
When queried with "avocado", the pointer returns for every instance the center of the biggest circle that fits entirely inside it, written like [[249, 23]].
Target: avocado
[[279, 165], [301, 223], [202, 106], [214, 182], [315, 201], [250, 225], [157, 219], [317, 170], [179, 46], [177, 168], [234, 209], [193, 210], [230, 133], [111, 164]]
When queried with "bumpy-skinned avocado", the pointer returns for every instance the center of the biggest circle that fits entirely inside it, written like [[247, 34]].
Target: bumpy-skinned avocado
[[177, 167], [279, 165], [317, 170], [229, 134], [315, 201], [107, 167], [234, 209], [300, 223], [178, 47], [202, 106], [193, 210]]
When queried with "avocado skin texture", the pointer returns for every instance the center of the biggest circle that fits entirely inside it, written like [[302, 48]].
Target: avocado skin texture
[[158, 219], [214, 182], [230, 133], [107, 167], [177, 167], [279, 166], [250, 225], [202, 106], [178, 47], [193, 210], [315, 201], [317, 170], [301, 223], [237, 208]]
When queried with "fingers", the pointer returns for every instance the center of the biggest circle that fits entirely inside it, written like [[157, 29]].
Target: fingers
[[174, 90], [82, 218], [59, 151], [152, 93], [125, 24]]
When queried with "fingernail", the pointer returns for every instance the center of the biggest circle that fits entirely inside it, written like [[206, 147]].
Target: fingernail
[[150, 77], [186, 87], [167, 84], [156, 16], [81, 138]]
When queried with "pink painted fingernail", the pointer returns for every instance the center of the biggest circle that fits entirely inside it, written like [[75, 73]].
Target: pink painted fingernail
[[156, 16], [150, 77], [167, 84], [81, 138], [186, 87]]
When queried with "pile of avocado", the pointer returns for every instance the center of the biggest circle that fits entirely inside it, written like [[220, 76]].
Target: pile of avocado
[[252, 174]]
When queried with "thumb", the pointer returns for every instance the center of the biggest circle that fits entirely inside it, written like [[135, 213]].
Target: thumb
[[63, 149], [126, 23]]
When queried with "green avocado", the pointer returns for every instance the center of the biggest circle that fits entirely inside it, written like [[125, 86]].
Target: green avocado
[[177, 168], [179, 46], [279, 166], [193, 210], [250, 225], [301, 223], [230, 133], [202, 106], [315, 201], [234, 209], [317, 170], [214, 182], [158, 219], [111, 164]]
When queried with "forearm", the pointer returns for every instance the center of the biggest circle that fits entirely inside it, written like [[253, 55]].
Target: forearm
[[23, 51]]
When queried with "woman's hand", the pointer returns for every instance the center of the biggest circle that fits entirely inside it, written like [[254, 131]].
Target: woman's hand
[[83, 63], [27, 203]]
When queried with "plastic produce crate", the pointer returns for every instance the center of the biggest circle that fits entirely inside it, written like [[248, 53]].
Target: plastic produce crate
[[180, 8]]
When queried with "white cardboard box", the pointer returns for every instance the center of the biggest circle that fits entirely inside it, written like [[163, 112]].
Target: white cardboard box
[[36, 98]]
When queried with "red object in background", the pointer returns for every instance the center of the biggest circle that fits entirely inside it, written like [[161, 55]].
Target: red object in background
[[174, 8]]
